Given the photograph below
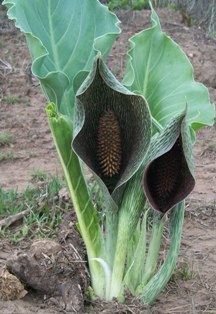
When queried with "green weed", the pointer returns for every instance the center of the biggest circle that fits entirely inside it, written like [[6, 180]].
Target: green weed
[[140, 4], [173, 6], [11, 100], [6, 156], [183, 272], [45, 214], [39, 175], [128, 4], [5, 138]]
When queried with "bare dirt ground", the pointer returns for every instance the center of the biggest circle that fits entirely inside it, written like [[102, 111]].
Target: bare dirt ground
[[193, 289]]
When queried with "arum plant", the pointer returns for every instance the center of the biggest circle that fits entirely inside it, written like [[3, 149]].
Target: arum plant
[[135, 137]]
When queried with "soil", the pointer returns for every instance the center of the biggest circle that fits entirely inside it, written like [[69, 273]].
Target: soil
[[193, 288]]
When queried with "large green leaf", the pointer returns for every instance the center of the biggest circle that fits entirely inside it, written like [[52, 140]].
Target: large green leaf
[[63, 36], [158, 69]]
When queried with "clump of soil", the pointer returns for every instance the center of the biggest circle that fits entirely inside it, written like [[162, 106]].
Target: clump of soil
[[48, 268], [10, 287]]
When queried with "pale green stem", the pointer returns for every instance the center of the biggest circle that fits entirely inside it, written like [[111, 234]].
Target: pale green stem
[[88, 223], [129, 213], [153, 249], [111, 235], [133, 277], [160, 279], [110, 244], [97, 275], [120, 255]]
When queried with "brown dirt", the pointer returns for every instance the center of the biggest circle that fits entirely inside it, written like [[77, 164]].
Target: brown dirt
[[32, 149]]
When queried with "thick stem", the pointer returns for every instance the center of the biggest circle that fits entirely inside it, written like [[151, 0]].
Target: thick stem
[[137, 257], [132, 205], [110, 245], [88, 223], [153, 250], [120, 256], [111, 235], [160, 279]]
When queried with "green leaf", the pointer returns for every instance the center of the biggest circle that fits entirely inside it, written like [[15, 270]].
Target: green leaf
[[62, 131], [63, 36], [158, 69]]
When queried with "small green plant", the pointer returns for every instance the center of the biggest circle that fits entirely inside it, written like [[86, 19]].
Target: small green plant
[[44, 216], [128, 4], [12, 99], [13, 202], [173, 6], [6, 138], [4, 156], [183, 272], [140, 4], [39, 175], [113, 4], [135, 136]]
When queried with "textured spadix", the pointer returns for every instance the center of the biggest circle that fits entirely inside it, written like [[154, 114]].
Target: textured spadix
[[113, 127], [168, 177]]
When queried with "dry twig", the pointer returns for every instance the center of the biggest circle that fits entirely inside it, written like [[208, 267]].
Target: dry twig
[[5, 68], [6, 222]]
